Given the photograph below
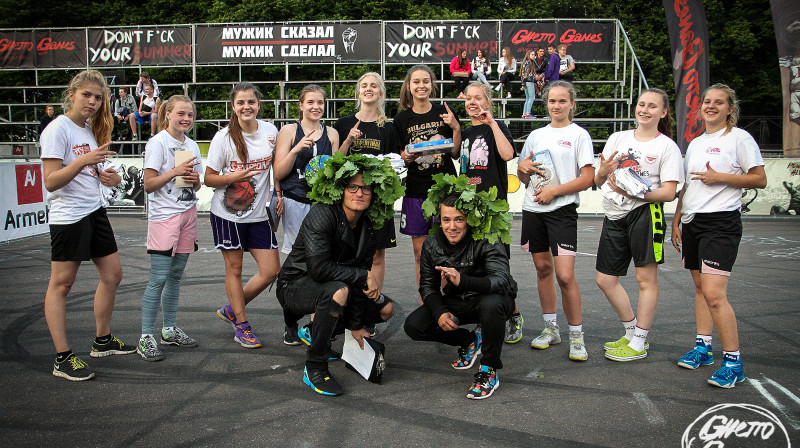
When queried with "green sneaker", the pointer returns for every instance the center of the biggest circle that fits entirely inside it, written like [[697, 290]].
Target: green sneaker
[[625, 353], [621, 342]]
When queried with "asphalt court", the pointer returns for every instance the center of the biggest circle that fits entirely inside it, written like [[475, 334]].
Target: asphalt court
[[222, 394]]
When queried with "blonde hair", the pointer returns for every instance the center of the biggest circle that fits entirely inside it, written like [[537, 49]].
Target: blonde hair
[[733, 117], [406, 99], [101, 122], [570, 89], [167, 106], [306, 90], [381, 101], [486, 88]]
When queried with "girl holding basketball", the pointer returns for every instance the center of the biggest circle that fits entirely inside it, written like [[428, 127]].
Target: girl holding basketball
[[719, 163], [419, 121], [563, 167], [172, 221], [239, 162], [368, 132], [633, 227], [298, 143], [74, 149]]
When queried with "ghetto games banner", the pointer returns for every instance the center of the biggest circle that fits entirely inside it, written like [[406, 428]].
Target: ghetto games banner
[[786, 17], [688, 38], [307, 43], [43, 49], [150, 45], [438, 42], [585, 41]]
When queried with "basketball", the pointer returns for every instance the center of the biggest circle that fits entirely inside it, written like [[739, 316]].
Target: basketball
[[314, 165], [239, 196]]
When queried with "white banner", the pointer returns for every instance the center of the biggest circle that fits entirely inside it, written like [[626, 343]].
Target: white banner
[[23, 201]]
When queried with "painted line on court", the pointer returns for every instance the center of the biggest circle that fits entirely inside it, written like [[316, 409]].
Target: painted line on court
[[649, 408], [788, 393], [760, 388]]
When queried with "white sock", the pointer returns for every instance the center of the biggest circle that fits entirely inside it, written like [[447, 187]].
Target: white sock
[[733, 354], [629, 329], [706, 338], [550, 318], [639, 338], [578, 328]]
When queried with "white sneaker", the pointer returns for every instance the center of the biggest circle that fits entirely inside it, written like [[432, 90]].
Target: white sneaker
[[549, 336], [499, 86], [509, 95], [577, 348]]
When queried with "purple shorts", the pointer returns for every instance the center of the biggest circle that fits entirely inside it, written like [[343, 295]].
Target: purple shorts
[[229, 235], [412, 222]]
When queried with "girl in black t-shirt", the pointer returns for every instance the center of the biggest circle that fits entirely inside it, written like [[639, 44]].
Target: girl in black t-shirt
[[420, 121]]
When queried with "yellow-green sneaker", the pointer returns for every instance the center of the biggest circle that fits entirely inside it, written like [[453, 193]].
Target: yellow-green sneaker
[[621, 342], [625, 353]]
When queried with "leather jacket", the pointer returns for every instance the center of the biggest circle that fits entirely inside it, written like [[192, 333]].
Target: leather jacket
[[483, 267], [320, 246]]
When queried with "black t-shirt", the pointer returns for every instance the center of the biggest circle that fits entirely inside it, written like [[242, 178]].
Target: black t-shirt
[[375, 140], [414, 128], [481, 161]]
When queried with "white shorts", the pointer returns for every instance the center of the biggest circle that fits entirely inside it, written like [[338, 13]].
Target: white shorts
[[294, 212]]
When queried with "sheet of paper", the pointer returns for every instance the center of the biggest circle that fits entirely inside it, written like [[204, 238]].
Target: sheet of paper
[[180, 157], [361, 360]]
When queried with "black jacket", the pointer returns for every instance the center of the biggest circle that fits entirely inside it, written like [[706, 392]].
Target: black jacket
[[483, 267], [321, 244]]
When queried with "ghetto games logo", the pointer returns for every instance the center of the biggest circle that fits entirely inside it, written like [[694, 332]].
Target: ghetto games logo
[[735, 425]]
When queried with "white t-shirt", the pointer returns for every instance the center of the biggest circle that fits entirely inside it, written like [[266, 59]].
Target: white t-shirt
[[658, 160], [159, 155], [222, 158], [735, 152], [571, 149], [63, 139]]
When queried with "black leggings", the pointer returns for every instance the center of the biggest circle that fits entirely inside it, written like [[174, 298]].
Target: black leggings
[[506, 79], [461, 82]]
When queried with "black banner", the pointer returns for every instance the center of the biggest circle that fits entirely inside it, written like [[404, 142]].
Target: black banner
[[43, 49], [438, 42], [688, 38], [327, 42], [586, 41], [786, 16], [151, 45]]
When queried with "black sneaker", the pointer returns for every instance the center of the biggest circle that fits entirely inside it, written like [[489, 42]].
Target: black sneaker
[[112, 347], [290, 336], [322, 382], [333, 355], [371, 329], [73, 369]]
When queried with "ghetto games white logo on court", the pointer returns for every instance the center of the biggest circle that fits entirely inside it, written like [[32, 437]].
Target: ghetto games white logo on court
[[735, 425]]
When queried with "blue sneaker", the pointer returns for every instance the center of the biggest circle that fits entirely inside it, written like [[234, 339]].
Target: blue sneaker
[[486, 382], [700, 355], [304, 333], [731, 372], [467, 355]]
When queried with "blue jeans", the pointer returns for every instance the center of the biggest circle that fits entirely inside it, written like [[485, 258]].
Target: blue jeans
[[480, 77], [530, 95]]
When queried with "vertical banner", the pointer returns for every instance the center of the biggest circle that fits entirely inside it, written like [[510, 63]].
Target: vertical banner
[[42, 49], [438, 42], [152, 45], [786, 17], [586, 41], [688, 38], [22, 200]]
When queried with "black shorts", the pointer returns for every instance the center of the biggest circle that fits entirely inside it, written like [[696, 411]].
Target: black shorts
[[556, 231], [638, 235], [714, 239], [386, 235], [91, 237]]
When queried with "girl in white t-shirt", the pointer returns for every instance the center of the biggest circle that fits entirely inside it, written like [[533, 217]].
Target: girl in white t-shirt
[[634, 225], [562, 157], [719, 163], [238, 168], [172, 222], [74, 149]]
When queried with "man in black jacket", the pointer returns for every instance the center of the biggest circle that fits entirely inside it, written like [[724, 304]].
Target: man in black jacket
[[478, 288], [328, 273]]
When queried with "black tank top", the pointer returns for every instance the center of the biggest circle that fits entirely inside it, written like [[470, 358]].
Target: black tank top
[[294, 185]]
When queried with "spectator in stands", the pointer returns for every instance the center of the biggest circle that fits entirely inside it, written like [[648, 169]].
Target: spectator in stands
[[558, 159], [553, 66], [506, 69], [49, 115], [144, 79], [566, 65], [481, 67], [369, 132], [124, 108], [527, 75], [540, 66], [460, 70], [419, 121], [75, 172], [148, 109]]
